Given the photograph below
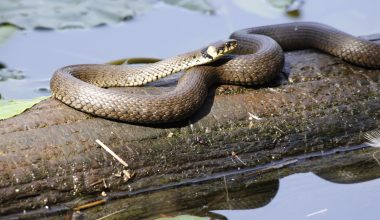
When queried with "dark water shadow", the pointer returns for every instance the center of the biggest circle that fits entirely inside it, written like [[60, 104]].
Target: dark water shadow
[[357, 172]]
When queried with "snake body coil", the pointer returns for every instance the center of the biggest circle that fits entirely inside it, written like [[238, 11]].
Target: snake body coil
[[256, 60]]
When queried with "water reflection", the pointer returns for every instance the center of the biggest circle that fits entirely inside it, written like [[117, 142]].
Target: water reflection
[[276, 194], [357, 172], [303, 196], [268, 192]]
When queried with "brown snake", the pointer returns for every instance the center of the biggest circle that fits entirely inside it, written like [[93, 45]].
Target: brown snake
[[256, 60]]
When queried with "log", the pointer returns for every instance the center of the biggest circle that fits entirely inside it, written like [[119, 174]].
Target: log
[[48, 154]]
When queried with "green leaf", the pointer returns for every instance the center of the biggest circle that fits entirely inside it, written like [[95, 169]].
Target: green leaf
[[10, 108], [184, 217]]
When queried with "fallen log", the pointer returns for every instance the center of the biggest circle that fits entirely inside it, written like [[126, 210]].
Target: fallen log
[[48, 154]]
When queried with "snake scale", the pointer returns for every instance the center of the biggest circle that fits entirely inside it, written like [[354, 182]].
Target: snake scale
[[256, 58]]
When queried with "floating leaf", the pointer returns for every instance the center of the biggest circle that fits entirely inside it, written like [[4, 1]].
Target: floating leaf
[[261, 8], [291, 7], [80, 13], [203, 6], [271, 8], [6, 74], [10, 108]]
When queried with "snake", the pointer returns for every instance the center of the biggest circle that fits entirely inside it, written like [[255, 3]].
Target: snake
[[252, 56]]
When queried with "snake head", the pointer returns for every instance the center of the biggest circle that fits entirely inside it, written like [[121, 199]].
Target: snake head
[[218, 49]]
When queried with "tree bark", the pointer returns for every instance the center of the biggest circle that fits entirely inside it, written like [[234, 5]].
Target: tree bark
[[48, 154]]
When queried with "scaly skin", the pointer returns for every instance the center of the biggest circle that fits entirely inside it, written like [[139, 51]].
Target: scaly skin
[[256, 60]]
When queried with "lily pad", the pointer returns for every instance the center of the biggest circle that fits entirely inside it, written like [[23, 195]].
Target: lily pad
[[6, 74], [10, 108], [291, 7], [271, 8], [51, 14], [203, 6]]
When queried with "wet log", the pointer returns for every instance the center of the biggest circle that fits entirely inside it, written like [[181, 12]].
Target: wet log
[[48, 154]]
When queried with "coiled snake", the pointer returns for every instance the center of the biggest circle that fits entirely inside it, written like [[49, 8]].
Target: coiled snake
[[257, 58]]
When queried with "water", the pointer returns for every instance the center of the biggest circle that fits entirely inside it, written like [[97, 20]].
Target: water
[[167, 31], [163, 32], [304, 196]]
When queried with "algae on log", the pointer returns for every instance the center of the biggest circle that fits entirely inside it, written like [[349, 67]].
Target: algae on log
[[48, 154]]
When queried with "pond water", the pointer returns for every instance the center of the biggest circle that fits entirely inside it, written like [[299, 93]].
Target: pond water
[[162, 32], [304, 196], [168, 30]]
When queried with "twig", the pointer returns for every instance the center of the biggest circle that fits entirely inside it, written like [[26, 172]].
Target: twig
[[374, 156], [89, 205], [227, 195], [96, 182], [317, 212], [251, 116], [113, 213], [112, 153], [235, 156]]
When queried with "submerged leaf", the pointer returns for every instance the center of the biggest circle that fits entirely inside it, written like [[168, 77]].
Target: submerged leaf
[[10, 108], [80, 13]]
